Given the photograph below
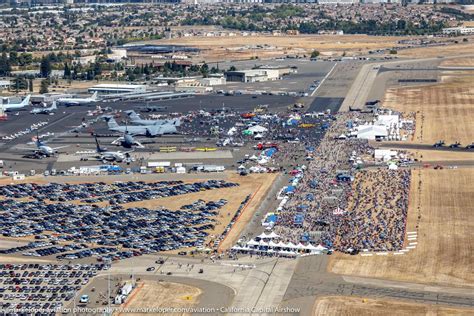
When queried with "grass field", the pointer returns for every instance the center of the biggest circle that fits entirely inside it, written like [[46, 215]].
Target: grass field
[[442, 206], [443, 111], [154, 294], [435, 155], [347, 306]]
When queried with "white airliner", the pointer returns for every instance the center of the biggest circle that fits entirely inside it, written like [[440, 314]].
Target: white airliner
[[78, 101], [16, 106]]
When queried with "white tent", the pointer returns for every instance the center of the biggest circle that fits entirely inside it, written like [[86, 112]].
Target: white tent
[[257, 129], [232, 131], [371, 131], [258, 136], [273, 235], [253, 242], [320, 248], [291, 245]]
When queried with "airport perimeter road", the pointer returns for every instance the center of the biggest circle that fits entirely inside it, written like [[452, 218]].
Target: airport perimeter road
[[311, 280]]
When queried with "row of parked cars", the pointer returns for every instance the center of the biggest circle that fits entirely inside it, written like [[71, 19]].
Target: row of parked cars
[[63, 192], [65, 230], [42, 287]]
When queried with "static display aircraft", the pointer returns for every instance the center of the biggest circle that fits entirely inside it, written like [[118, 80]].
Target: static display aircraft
[[49, 110], [42, 150], [106, 155], [135, 119], [147, 130], [16, 106], [78, 101]]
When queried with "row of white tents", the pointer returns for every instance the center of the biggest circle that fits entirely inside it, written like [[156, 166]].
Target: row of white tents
[[265, 244]]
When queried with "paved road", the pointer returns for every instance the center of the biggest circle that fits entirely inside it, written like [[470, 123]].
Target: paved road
[[311, 280]]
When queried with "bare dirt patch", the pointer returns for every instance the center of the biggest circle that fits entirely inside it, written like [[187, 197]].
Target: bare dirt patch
[[340, 305], [443, 111], [154, 294]]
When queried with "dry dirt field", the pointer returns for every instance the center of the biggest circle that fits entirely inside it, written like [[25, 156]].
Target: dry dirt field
[[444, 111], [348, 306], [442, 206], [240, 47], [154, 294], [434, 155], [435, 51], [459, 62]]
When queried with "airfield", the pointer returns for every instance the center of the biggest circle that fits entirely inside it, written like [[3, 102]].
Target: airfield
[[433, 276]]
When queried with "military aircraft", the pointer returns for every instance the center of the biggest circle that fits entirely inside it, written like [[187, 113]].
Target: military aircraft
[[42, 150], [147, 130], [78, 101], [135, 119], [105, 155], [153, 108], [455, 145], [49, 110], [439, 143], [16, 106], [127, 141]]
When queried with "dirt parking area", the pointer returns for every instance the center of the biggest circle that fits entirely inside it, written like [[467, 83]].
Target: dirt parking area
[[154, 295], [341, 305], [441, 211], [253, 185]]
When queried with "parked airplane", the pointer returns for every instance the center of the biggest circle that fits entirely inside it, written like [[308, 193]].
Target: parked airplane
[[153, 108], [127, 141], [42, 150], [49, 110], [78, 101], [105, 155], [16, 106], [149, 130], [135, 119]]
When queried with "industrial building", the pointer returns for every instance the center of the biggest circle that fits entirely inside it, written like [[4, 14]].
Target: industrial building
[[106, 88], [253, 75]]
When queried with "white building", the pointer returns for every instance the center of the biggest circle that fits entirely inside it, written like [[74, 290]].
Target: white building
[[462, 30], [106, 88], [253, 75]]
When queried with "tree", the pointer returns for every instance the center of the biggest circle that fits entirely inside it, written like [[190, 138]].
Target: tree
[[30, 84], [45, 67], [5, 67], [314, 54], [44, 86], [232, 68], [67, 71]]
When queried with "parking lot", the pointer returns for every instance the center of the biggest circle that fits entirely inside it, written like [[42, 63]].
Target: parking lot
[[42, 288]]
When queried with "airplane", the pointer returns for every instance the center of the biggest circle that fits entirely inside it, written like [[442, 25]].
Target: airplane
[[42, 149], [153, 108], [135, 119], [471, 146], [16, 106], [206, 149], [49, 110], [127, 141], [455, 145], [105, 155], [148, 130], [78, 101], [439, 143]]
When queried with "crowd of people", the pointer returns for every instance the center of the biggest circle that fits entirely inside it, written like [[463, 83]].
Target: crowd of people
[[341, 207]]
